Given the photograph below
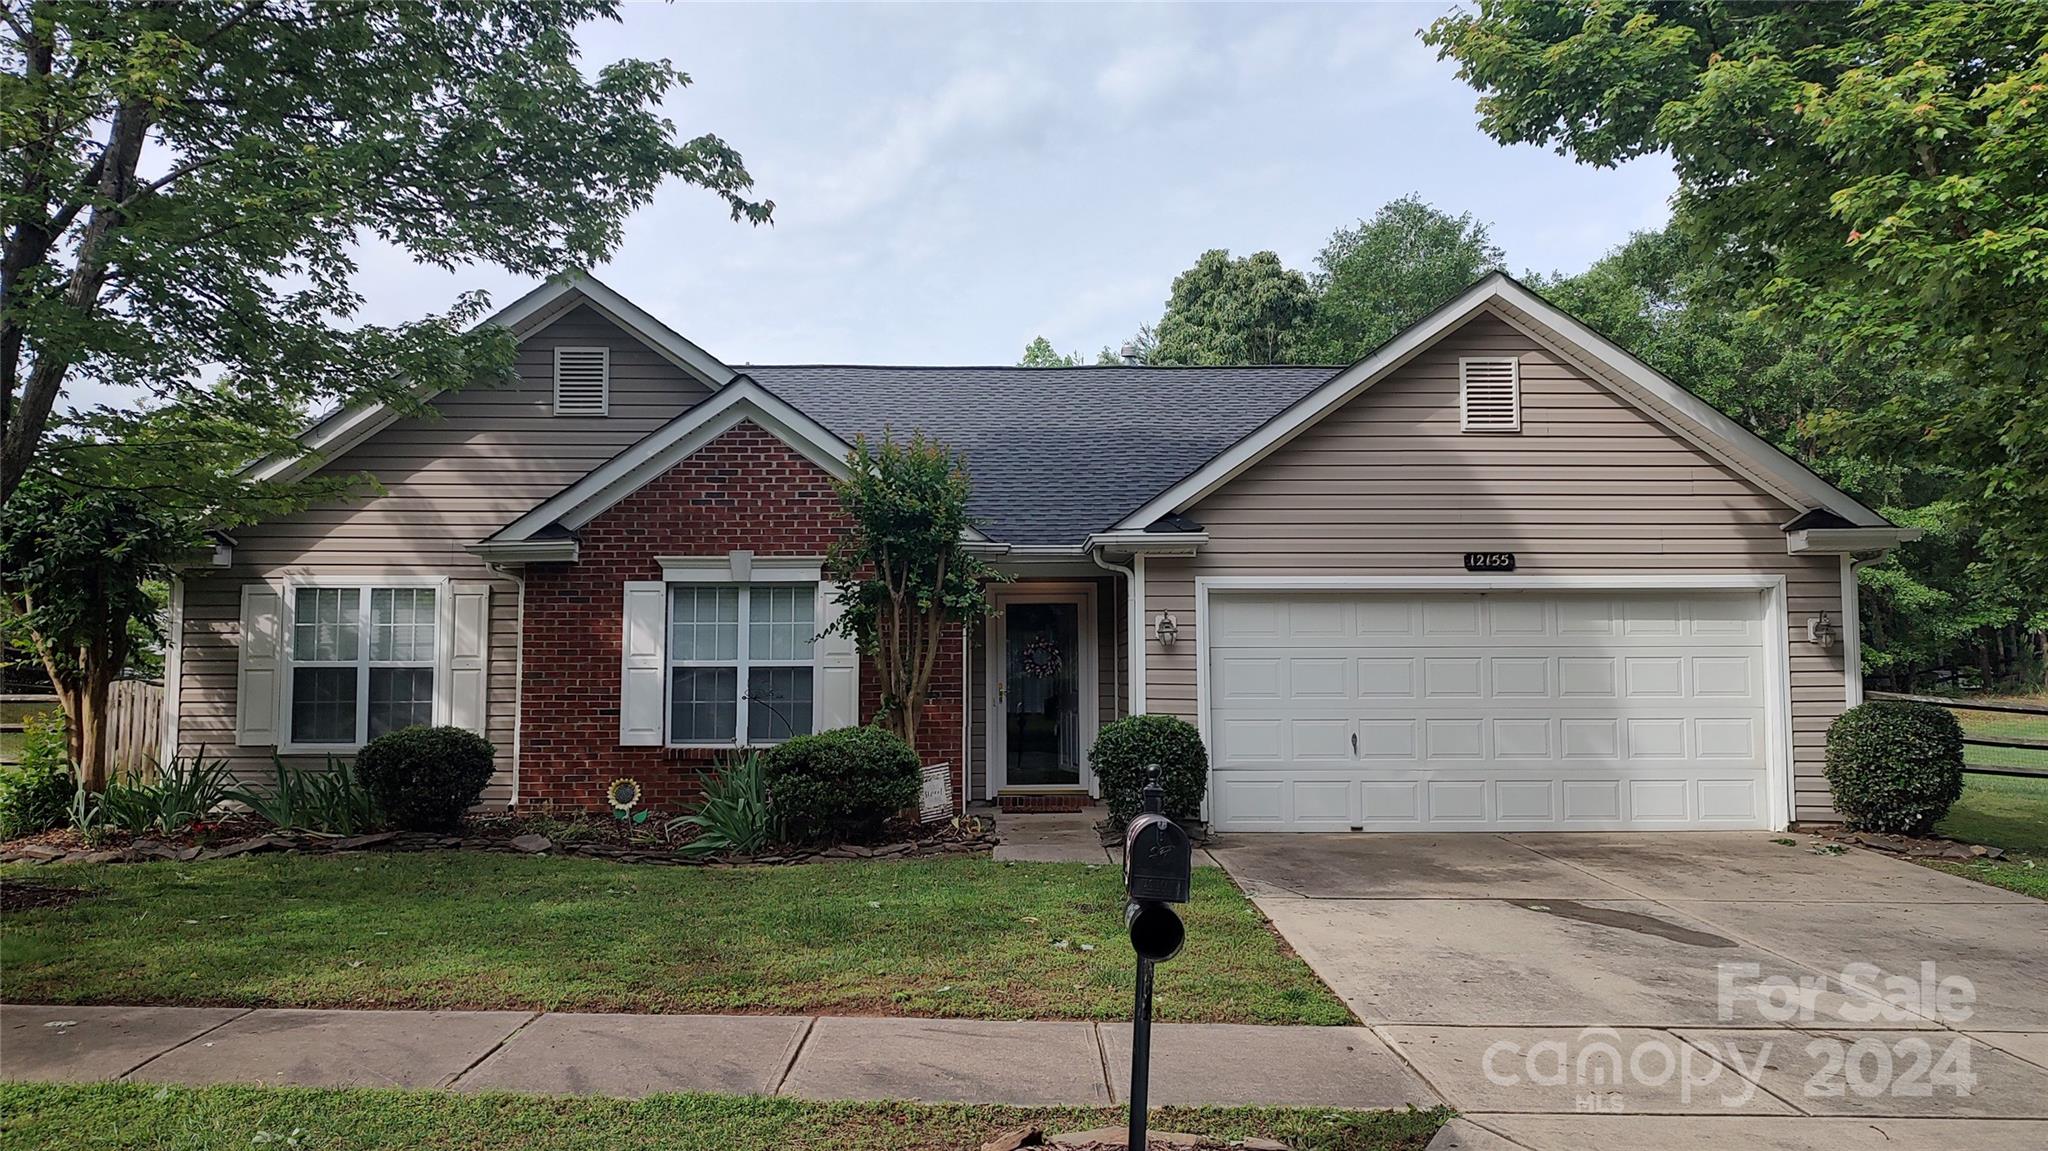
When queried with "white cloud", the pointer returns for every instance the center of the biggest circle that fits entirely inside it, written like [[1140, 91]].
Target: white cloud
[[973, 103], [1143, 77]]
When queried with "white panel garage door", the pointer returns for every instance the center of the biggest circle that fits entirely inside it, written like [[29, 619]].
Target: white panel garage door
[[1489, 711]]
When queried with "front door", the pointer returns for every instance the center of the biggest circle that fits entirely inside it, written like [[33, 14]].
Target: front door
[[1042, 710]]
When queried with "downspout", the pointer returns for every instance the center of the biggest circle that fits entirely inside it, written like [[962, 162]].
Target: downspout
[[1115, 659], [966, 721], [1852, 625]]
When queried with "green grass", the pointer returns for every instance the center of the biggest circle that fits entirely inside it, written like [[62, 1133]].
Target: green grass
[[2007, 812], [2005, 725], [966, 938], [2001, 811], [103, 1117]]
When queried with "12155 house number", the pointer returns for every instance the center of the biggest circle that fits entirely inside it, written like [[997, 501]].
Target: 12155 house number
[[1489, 561]]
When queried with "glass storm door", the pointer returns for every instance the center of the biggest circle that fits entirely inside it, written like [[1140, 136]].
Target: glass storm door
[[1040, 694]]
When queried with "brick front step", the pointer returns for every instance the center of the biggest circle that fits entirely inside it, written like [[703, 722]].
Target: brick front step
[[1041, 804]]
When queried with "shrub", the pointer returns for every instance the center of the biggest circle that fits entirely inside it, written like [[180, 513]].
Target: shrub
[[1128, 746], [425, 778], [35, 794], [184, 792], [332, 800], [1895, 767], [841, 784], [734, 815]]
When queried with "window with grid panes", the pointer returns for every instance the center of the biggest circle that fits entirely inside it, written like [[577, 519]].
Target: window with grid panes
[[740, 662], [362, 662]]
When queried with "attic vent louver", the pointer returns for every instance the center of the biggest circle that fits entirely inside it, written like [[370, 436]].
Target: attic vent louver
[[582, 381], [1491, 390]]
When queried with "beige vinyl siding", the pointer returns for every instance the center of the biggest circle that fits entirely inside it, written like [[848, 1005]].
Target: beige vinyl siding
[[1112, 660], [494, 453], [1389, 485]]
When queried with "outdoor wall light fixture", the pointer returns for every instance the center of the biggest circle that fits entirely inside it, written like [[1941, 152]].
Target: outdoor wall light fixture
[[1820, 630], [1166, 628]]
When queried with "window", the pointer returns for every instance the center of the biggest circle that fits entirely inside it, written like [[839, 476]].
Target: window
[[362, 663], [582, 381], [1491, 394], [740, 662]]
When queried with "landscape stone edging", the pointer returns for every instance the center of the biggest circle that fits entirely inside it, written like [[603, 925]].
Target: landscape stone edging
[[149, 850]]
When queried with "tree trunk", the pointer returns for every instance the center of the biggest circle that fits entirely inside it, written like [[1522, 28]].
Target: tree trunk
[[91, 734]]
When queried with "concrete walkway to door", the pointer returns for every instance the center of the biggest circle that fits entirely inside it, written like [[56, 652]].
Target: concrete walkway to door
[[1590, 991]]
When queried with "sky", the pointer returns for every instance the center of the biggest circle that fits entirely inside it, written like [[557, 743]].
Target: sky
[[951, 181]]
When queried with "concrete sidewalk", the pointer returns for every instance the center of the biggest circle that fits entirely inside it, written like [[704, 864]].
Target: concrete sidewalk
[[829, 1057]]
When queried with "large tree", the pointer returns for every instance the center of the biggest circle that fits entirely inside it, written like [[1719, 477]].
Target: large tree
[[1375, 279], [1931, 608], [1875, 174], [1251, 310], [183, 186]]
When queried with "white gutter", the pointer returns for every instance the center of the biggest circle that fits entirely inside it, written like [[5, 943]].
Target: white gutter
[[1840, 541], [524, 551]]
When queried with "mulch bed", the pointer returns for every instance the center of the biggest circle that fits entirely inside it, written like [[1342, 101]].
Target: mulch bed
[[1910, 846], [598, 839], [22, 895]]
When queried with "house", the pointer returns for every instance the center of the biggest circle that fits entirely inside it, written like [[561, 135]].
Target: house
[[1497, 575]]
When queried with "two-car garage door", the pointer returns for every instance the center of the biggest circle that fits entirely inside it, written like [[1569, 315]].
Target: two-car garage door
[[1488, 711]]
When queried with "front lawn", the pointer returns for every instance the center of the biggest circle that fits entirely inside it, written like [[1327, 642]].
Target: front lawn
[[107, 1117], [2007, 812], [966, 938]]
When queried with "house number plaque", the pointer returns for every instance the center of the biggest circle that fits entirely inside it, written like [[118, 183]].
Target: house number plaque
[[1489, 561]]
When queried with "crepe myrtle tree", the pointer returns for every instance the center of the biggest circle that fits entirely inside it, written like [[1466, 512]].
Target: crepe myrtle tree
[[82, 567], [902, 572], [183, 188]]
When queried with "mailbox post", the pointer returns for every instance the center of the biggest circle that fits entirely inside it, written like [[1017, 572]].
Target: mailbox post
[[1158, 871]]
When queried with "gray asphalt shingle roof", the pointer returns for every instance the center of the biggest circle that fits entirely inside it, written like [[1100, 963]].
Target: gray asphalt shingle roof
[[1055, 453]]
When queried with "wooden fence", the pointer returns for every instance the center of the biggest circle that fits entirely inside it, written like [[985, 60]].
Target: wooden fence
[[2006, 706], [135, 724]]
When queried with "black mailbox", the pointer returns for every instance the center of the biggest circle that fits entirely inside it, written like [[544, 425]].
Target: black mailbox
[[1158, 856]]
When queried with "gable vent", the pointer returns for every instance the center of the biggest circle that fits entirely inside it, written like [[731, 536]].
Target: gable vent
[[583, 379], [1492, 394]]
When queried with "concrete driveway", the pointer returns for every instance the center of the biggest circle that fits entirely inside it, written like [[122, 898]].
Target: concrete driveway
[[1600, 990]]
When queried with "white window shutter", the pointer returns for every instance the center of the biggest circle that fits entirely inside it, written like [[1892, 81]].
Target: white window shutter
[[583, 381], [469, 664], [1490, 394], [257, 684], [835, 659], [643, 648]]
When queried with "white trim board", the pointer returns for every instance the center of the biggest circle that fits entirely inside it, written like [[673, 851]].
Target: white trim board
[[1088, 687], [1779, 789], [1500, 295]]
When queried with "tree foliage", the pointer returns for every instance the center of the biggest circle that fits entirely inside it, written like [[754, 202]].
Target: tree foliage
[[182, 187], [1251, 310], [1040, 353], [1377, 278], [903, 572], [1871, 174], [77, 568]]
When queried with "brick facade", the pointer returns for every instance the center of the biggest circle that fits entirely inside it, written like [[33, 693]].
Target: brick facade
[[745, 490]]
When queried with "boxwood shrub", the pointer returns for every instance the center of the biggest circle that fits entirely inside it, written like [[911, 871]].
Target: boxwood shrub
[[1895, 767], [1128, 746], [425, 778], [842, 784]]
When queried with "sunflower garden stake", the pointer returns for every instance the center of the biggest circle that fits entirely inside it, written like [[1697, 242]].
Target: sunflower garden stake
[[624, 796]]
